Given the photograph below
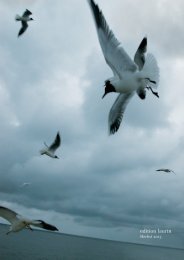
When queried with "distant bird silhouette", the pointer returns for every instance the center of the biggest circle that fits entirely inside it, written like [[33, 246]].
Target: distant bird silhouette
[[165, 170], [25, 184], [24, 19], [129, 76], [50, 150], [19, 222]]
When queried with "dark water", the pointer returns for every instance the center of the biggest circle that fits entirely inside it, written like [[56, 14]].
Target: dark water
[[40, 245]]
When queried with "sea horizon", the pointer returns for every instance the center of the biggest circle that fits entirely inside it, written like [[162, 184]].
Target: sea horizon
[[48, 245]]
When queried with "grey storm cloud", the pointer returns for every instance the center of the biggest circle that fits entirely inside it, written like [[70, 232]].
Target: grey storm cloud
[[52, 80]]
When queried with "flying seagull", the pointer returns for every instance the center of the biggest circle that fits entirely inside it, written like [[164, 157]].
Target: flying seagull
[[165, 170], [25, 184], [129, 76], [50, 150], [19, 222], [24, 19]]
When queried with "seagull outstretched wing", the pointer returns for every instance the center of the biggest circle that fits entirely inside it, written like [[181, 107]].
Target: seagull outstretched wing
[[139, 56], [44, 225], [117, 111], [26, 13], [56, 143], [23, 28], [114, 53], [8, 214], [165, 170], [139, 59]]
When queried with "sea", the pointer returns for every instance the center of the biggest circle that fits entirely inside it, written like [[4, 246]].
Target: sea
[[44, 245]]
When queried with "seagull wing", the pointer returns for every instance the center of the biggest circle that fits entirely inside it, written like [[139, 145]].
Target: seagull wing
[[8, 214], [23, 28], [56, 143], [170, 170], [139, 57], [163, 170], [114, 54], [26, 13], [117, 111], [42, 224]]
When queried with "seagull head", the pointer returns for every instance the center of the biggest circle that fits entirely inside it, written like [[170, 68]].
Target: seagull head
[[108, 88]]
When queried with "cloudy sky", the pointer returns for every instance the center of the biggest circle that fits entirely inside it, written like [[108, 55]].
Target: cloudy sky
[[51, 79]]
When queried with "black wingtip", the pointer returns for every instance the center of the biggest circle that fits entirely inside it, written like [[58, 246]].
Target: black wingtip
[[97, 13], [48, 226], [58, 137], [114, 128], [28, 12], [22, 30], [143, 44]]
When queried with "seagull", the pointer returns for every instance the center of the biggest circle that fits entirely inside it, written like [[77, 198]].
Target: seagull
[[165, 170], [25, 184], [24, 19], [50, 150], [19, 222], [129, 76]]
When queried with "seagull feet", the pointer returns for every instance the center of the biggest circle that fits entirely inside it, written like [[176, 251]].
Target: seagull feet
[[152, 81], [153, 92]]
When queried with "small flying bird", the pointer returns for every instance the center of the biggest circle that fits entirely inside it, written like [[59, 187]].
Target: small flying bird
[[130, 76], [24, 19], [25, 184], [165, 170], [19, 222], [50, 150]]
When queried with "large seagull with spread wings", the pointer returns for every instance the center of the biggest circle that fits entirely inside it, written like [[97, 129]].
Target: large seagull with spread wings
[[50, 150], [24, 20], [129, 76], [19, 222]]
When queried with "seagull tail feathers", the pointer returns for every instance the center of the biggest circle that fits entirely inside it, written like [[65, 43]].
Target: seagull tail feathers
[[17, 17], [151, 71]]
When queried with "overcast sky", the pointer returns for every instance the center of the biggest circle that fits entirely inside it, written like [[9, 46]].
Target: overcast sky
[[51, 79]]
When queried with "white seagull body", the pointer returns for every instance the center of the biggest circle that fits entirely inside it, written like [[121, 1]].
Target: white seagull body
[[129, 76], [19, 222], [24, 20], [165, 170], [50, 150]]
